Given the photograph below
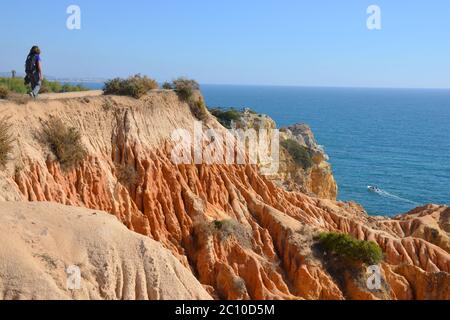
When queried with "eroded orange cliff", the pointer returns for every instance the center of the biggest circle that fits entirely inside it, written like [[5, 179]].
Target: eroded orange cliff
[[241, 235]]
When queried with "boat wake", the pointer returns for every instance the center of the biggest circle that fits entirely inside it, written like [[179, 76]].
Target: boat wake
[[386, 194]]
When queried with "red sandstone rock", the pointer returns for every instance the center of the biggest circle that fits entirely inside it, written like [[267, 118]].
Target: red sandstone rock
[[266, 252]]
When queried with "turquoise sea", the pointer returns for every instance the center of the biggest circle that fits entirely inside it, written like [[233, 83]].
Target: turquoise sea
[[396, 139]]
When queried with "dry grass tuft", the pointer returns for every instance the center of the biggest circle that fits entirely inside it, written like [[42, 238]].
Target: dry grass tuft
[[64, 142], [4, 92], [126, 174], [6, 141]]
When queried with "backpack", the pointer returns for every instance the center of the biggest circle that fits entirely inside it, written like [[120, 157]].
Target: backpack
[[30, 64]]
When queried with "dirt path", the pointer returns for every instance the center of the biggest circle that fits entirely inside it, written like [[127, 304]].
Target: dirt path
[[82, 94], [69, 95]]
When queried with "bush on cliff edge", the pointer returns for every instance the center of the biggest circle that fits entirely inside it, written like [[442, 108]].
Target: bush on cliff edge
[[135, 86], [167, 86], [345, 245], [64, 142], [185, 88]]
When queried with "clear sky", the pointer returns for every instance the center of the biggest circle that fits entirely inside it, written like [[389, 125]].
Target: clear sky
[[313, 43]]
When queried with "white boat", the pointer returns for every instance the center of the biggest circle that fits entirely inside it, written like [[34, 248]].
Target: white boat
[[374, 189]]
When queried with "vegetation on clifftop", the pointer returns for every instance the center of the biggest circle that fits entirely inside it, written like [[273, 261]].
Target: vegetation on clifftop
[[135, 86], [185, 88], [167, 86], [17, 85]]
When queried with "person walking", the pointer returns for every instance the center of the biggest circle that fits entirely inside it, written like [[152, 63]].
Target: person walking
[[33, 70]]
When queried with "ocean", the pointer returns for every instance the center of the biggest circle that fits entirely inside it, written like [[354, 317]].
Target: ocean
[[395, 139]]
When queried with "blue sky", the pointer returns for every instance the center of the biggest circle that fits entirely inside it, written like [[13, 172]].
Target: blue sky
[[313, 43]]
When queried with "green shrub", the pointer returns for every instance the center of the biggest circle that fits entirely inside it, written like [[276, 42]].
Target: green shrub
[[57, 87], [225, 117], [167, 86], [345, 245], [48, 87], [300, 154], [17, 85], [72, 88], [114, 86], [185, 88], [64, 142], [6, 141], [135, 86], [218, 224], [14, 85], [4, 92]]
